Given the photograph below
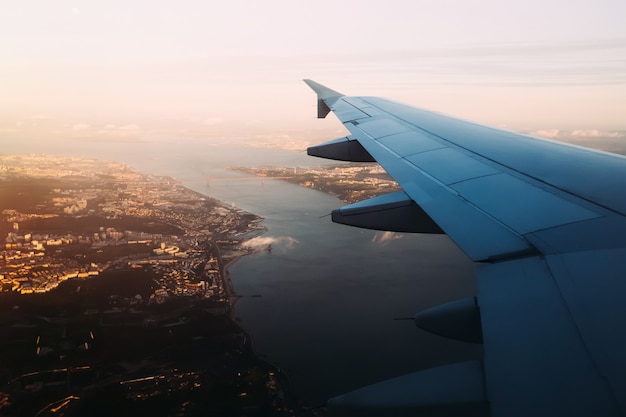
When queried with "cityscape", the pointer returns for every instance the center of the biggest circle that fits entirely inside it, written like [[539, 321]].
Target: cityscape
[[148, 220], [116, 296]]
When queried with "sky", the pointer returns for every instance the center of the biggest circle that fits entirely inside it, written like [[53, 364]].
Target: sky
[[136, 70]]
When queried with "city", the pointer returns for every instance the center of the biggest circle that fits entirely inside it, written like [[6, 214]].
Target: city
[[115, 295], [103, 210], [350, 182]]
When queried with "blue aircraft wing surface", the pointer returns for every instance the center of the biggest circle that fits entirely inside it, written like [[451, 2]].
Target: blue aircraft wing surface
[[545, 223]]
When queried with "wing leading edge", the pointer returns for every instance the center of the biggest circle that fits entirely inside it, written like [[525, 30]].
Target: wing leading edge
[[545, 223]]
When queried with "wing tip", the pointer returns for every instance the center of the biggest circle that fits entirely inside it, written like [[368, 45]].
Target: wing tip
[[326, 97], [323, 92]]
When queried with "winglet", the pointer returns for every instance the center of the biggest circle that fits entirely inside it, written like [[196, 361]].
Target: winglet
[[325, 97]]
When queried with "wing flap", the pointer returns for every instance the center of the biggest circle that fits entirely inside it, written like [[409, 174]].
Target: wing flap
[[342, 149], [593, 284], [450, 166], [451, 390], [521, 206], [536, 361], [394, 212]]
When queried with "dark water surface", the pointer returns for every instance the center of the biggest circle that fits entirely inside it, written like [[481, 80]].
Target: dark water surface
[[328, 293]]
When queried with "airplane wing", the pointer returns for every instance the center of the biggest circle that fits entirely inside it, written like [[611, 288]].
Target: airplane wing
[[545, 223]]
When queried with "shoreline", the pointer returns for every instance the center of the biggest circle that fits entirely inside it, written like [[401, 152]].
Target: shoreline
[[249, 344]]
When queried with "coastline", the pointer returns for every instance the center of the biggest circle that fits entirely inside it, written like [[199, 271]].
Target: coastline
[[272, 368], [172, 232]]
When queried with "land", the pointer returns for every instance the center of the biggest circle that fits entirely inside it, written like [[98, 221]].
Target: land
[[348, 182], [116, 297]]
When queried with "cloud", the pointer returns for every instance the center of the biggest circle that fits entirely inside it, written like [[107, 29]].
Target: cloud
[[384, 237], [260, 242], [578, 134], [546, 133], [605, 140], [594, 133]]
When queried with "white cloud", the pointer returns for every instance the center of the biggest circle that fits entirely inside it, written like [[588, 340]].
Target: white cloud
[[546, 133], [285, 242], [384, 237], [578, 134], [594, 133], [605, 140]]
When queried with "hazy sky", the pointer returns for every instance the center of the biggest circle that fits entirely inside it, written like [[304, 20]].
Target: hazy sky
[[120, 70]]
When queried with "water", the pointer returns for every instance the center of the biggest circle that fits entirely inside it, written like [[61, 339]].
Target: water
[[329, 293]]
